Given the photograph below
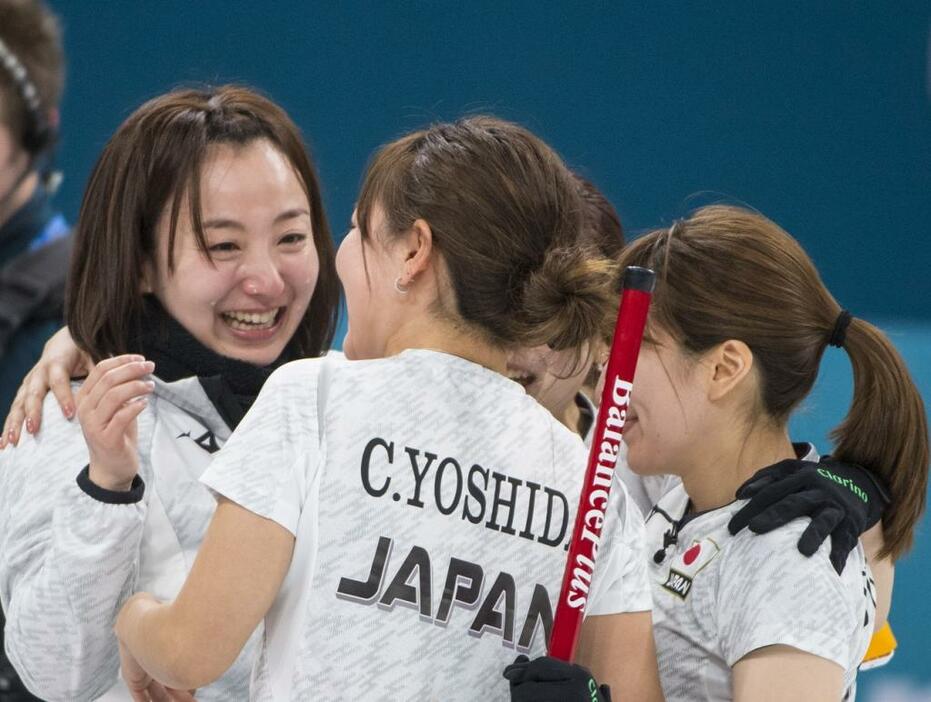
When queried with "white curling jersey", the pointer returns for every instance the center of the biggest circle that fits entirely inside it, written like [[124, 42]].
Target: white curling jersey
[[717, 597], [431, 500]]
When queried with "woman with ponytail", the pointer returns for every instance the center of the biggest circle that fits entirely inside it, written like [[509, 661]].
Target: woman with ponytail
[[399, 519], [564, 382], [739, 323]]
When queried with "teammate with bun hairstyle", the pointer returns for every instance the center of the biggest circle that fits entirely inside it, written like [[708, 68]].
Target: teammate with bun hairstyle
[[202, 244], [738, 325], [399, 520], [556, 377]]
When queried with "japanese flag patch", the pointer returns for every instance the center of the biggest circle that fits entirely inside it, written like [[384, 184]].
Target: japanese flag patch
[[686, 566]]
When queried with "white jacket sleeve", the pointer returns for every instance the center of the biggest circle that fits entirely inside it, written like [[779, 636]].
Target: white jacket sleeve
[[621, 581], [68, 560]]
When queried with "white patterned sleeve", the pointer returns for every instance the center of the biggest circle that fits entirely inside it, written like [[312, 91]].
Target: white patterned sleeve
[[68, 561], [263, 465], [768, 593], [621, 582]]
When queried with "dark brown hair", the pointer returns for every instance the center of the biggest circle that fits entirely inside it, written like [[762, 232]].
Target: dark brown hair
[[602, 228], [31, 32], [144, 172], [506, 215], [728, 273]]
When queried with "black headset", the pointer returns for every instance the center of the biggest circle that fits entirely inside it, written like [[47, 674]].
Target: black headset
[[38, 134]]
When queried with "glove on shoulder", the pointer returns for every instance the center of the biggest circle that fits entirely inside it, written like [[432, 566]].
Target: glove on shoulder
[[843, 501]]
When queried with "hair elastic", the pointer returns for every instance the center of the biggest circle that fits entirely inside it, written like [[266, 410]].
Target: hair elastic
[[839, 333]]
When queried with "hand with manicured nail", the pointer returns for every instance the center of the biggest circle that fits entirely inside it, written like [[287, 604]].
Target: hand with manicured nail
[[61, 360], [108, 403]]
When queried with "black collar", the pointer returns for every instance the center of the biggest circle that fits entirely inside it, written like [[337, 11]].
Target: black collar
[[231, 385], [587, 413]]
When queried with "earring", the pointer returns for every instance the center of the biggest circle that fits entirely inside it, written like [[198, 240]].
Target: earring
[[400, 288]]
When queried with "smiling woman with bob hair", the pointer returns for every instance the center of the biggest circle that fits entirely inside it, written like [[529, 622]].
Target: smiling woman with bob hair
[[202, 246]]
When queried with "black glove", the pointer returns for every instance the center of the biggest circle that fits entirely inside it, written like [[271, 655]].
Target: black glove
[[546, 679], [842, 499]]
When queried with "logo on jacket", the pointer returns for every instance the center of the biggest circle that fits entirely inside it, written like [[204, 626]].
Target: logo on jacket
[[207, 441], [678, 584]]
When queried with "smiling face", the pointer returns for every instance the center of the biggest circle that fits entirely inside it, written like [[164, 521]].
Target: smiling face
[[668, 411], [248, 301]]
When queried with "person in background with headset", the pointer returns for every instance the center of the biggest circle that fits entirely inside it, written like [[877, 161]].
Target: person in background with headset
[[35, 240], [34, 237]]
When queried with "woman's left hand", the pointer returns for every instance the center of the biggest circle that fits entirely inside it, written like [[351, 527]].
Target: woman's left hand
[[108, 403], [143, 687], [547, 679]]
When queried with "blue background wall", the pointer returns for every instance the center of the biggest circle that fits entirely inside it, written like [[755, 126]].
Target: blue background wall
[[818, 114]]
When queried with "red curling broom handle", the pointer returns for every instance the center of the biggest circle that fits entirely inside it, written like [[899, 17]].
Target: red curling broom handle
[[606, 442]]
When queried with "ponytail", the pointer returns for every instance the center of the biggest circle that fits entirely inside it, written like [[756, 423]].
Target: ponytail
[[886, 431], [728, 273]]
